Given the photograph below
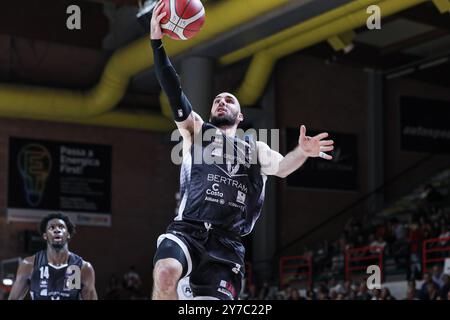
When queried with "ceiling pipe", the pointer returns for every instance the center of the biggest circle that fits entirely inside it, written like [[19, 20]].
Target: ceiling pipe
[[82, 107], [261, 67], [442, 5], [311, 32]]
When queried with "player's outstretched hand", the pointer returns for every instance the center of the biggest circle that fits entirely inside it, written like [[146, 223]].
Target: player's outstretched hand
[[315, 146]]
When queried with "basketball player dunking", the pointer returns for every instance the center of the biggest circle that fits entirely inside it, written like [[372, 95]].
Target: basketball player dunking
[[55, 273], [221, 201]]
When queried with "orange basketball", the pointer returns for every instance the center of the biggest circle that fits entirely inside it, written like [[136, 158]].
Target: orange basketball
[[184, 18]]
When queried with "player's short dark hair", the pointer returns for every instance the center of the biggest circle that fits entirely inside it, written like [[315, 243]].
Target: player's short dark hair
[[57, 215]]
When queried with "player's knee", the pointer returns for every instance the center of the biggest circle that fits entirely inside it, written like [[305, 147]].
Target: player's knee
[[167, 273]]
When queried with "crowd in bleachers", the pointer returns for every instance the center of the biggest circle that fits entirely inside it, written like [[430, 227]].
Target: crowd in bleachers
[[398, 238], [435, 286]]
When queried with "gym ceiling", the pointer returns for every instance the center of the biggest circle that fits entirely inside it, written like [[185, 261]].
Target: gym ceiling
[[102, 74]]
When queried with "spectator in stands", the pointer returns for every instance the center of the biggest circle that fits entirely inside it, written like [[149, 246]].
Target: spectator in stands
[[399, 245], [333, 285], [411, 292], [348, 290], [443, 293], [376, 294], [380, 243], [321, 256], [250, 292], [113, 290], [386, 294], [341, 296], [445, 233], [132, 278], [363, 293], [415, 240], [295, 295], [133, 284], [337, 264], [433, 291], [399, 230], [334, 295], [310, 294], [286, 292], [263, 291], [323, 291], [272, 293], [322, 296], [427, 284], [436, 275], [427, 231]]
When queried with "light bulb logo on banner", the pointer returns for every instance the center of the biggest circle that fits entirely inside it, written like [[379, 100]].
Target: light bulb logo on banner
[[34, 163]]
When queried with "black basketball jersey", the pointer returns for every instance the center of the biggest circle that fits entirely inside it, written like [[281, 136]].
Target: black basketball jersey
[[221, 182], [48, 282]]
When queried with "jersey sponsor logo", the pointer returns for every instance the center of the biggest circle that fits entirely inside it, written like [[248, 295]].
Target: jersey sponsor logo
[[227, 181], [232, 169], [215, 191], [215, 200], [227, 288], [232, 204], [184, 290], [211, 199], [187, 290], [208, 226], [240, 197], [226, 292], [56, 295]]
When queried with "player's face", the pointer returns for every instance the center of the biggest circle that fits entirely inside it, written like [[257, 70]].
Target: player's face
[[57, 234], [225, 110]]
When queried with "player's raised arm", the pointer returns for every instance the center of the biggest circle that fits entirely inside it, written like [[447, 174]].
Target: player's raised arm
[[168, 78]]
